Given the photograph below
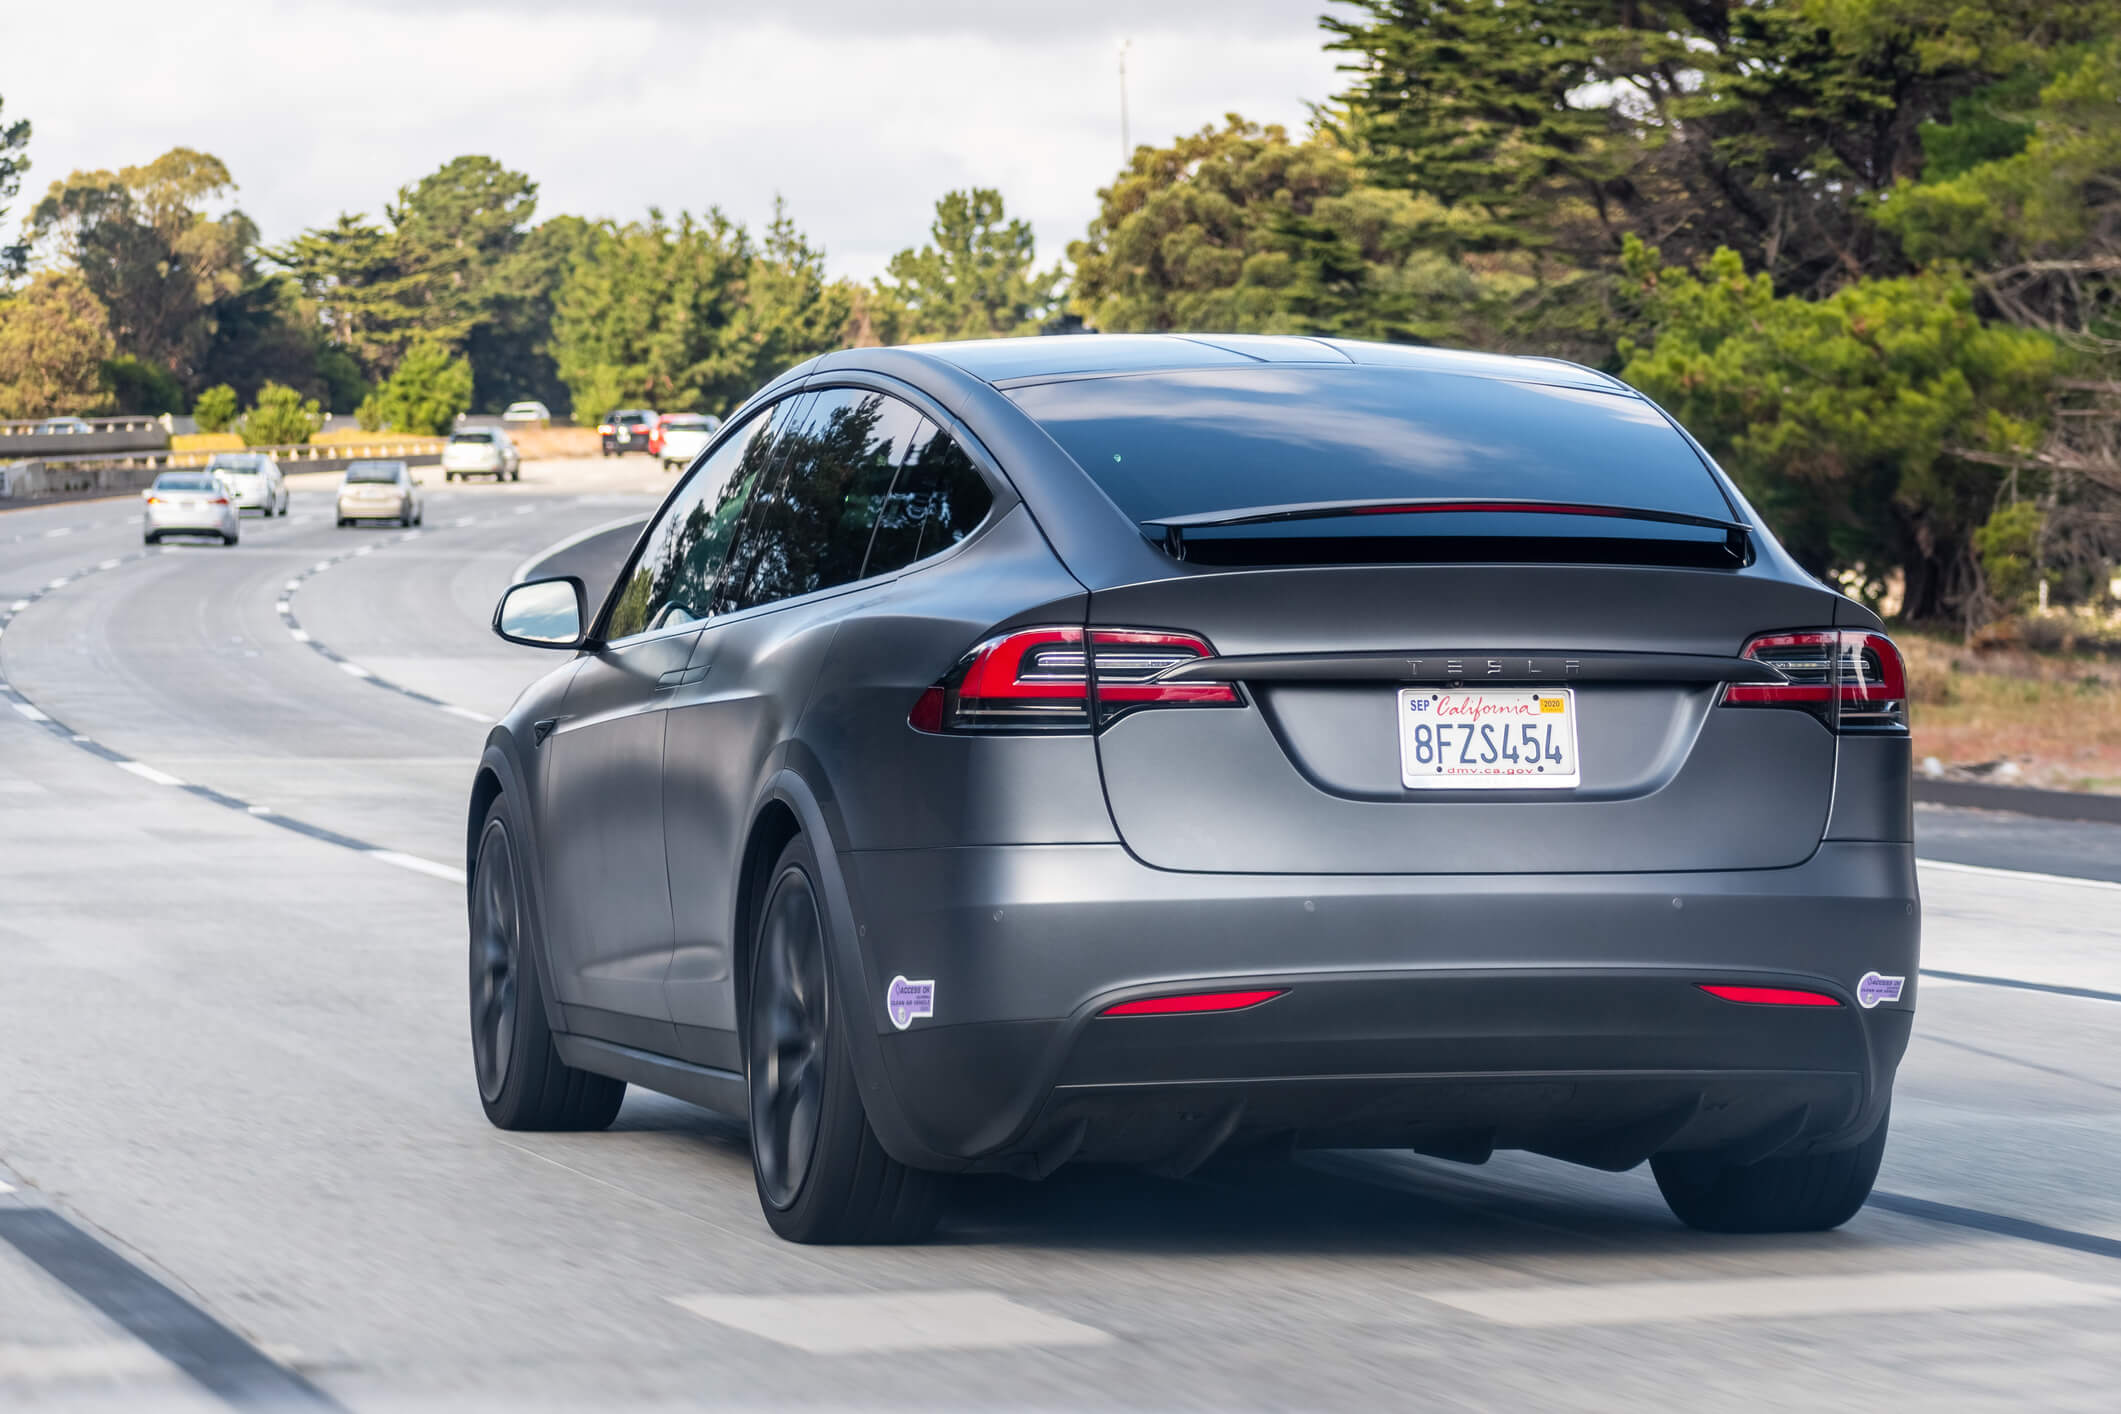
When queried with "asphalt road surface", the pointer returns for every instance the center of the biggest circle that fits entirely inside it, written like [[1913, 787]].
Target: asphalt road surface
[[242, 1160]]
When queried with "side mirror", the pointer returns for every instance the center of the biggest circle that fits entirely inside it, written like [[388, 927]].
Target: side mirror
[[542, 613]]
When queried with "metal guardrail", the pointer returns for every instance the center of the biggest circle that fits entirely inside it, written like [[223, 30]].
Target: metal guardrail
[[53, 478]]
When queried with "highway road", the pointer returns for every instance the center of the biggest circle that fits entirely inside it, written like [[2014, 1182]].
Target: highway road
[[242, 1160]]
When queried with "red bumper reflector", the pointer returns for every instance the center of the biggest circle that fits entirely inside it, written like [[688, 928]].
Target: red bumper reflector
[[1769, 996], [1197, 1001]]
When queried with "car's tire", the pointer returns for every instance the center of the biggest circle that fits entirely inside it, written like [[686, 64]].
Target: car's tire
[[523, 1083], [449, 476], [1804, 1193], [148, 537], [231, 539], [822, 1176]]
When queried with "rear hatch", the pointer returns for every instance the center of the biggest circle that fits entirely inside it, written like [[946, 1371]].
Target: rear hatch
[[1367, 545]]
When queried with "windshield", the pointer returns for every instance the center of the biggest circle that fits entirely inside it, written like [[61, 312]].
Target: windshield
[[374, 471], [1223, 439], [185, 481]]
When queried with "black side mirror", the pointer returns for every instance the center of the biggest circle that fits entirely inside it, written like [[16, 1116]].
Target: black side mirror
[[543, 613]]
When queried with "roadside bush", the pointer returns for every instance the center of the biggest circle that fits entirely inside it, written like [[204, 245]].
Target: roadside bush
[[215, 409], [430, 388], [282, 417], [136, 386], [2008, 544]]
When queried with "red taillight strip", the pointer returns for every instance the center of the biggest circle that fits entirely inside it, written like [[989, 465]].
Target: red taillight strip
[[1768, 996], [994, 672], [1193, 1001]]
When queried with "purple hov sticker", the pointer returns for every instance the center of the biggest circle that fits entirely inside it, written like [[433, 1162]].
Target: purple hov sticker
[[907, 1000], [1873, 989]]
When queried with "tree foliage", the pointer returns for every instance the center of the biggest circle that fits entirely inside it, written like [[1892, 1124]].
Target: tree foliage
[[215, 409], [130, 386], [976, 280], [431, 388], [14, 139], [53, 345], [281, 417]]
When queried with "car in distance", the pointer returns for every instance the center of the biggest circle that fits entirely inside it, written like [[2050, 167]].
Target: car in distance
[[190, 503], [534, 414], [681, 436], [379, 490], [254, 479], [64, 426], [481, 451], [626, 430], [996, 755]]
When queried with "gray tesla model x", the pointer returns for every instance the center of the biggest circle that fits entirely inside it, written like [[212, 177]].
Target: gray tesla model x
[[1138, 749]]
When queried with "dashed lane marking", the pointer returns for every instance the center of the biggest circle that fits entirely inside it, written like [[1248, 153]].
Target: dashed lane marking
[[871, 1323], [148, 773], [1769, 1298], [418, 865]]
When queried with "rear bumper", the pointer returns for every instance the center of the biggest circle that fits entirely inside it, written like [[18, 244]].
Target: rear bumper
[[1560, 1013]]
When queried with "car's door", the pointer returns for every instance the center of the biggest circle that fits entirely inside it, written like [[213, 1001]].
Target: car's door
[[607, 895], [784, 590]]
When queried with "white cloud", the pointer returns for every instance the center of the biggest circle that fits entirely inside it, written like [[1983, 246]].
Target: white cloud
[[860, 114]]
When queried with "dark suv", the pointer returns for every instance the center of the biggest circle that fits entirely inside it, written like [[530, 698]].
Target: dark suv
[[626, 431], [1132, 749]]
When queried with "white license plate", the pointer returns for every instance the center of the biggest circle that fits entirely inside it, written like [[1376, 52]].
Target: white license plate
[[1453, 738]]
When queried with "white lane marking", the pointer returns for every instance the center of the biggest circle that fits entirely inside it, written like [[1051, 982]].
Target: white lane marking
[[871, 1322], [283, 608], [100, 1360], [466, 713], [6, 1187], [30, 712], [320, 566], [418, 865], [55, 534], [107, 564], [148, 773], [366, 550], [1769, 1298], [292, 585], [298, 635], [18, 606], [355, 670], [467, 520], [526, 510], [1986, 872], [522, 571], [59, 583], [259, 809]]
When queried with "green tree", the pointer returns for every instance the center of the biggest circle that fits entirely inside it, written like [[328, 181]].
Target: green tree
[[215, 409], [2008, 545], [54, 341], [1871, 428], [431, 387], [350, 276], [977, 280], [282, 417], [14, 138], [146, 247], [131, 386]]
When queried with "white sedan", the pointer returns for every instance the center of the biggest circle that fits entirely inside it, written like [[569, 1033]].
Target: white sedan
[[255, 479], [380, 490], [189, 503]]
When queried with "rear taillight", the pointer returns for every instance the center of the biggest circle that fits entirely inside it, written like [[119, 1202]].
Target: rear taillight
[[1042, 680], [605, 429], [1852, 679]]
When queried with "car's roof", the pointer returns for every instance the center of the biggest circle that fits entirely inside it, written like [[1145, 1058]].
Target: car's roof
[[1007, 362]]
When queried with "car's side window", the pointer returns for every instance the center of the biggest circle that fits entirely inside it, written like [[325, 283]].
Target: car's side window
[[682, 558], [810, 524], [938, 499]]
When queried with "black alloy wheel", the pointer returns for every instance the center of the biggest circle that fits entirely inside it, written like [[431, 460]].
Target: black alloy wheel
[[790, 1036], [496, 961]]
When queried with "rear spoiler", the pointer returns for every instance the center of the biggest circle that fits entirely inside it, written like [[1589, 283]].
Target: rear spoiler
[[1170, 531]]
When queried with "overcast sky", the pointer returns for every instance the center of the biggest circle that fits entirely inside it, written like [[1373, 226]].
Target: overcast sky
[[861, 114]]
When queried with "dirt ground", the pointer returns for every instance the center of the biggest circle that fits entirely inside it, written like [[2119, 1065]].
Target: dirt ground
[[2015, 717]]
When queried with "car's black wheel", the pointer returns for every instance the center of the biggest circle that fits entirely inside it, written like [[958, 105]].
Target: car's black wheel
[[1805, 1193], [523, 1083], [150, 538], [822, 1175]]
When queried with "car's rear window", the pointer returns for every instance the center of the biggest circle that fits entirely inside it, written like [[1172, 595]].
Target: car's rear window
[[237, 464], [686, 424], [374, 471], [184, 481], [484, 439], [1223, 439]]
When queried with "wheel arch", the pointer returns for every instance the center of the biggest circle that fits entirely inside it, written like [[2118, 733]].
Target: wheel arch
[[497, 779], [789, 798]]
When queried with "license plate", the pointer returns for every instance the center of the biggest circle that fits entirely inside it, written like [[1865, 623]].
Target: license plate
[[187, 505], [1487, 739]]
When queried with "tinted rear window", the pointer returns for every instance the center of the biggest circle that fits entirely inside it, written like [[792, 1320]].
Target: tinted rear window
[[1223, 439], [186, 481], [374, 471], [238, 464], [484, 439]]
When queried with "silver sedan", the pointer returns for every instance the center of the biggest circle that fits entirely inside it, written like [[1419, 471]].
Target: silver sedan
[[190, 503], [380, 490]]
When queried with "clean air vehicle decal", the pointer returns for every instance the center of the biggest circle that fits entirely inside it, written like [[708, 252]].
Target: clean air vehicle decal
[[907, 1000], [1874, 989]]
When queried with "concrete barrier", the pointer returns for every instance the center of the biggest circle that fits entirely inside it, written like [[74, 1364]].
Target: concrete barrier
[[103, 434], [73, 478]]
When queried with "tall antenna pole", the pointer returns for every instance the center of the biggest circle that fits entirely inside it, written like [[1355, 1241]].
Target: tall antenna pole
[[1126, 145]]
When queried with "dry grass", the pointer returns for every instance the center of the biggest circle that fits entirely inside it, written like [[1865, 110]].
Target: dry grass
[[206, 442], [408, 441], [541, 443], [2057, 717]]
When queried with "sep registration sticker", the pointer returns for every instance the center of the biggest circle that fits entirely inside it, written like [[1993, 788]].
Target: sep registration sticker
[[1461, 738]]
